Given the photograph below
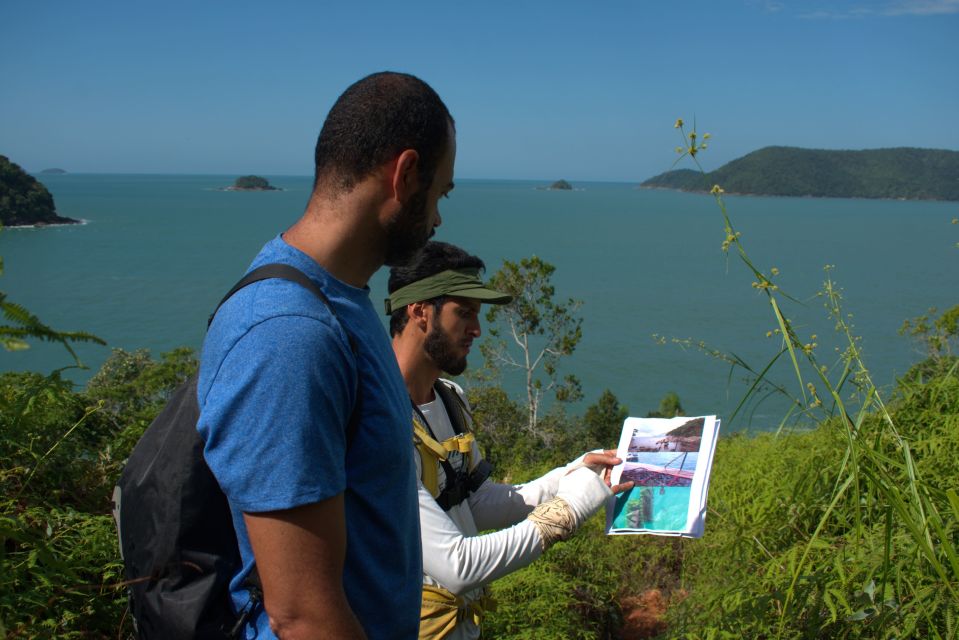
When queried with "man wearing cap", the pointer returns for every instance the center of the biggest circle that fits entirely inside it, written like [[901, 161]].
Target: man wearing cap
[[434, 307]]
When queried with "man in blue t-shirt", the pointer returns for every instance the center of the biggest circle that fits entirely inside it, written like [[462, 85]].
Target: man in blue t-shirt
[[308, 438]]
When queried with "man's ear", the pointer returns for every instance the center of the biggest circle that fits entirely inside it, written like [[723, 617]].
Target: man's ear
[[418, 313], [405, 178]]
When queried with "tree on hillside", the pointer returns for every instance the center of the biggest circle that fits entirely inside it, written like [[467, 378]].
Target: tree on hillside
[[603, 421], [669, 407], [533, 332]]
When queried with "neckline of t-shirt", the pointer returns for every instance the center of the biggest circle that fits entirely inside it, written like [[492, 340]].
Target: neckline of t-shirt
[[315, 270]]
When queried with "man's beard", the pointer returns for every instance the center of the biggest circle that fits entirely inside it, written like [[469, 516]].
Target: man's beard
[[440, 350], [408, 231]]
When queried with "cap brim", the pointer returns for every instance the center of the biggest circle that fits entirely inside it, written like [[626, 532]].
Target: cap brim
[[483, 294]]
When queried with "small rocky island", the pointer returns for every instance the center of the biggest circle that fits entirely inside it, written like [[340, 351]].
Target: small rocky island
[[24, 202], [251, 183], [561, 185]]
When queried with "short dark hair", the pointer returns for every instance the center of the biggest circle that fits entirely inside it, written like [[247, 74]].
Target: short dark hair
[[434, 258], [376, 119]]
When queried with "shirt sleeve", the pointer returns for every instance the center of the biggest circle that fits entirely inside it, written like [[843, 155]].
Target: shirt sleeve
[[275, 417], [499, 505], [463, 563]]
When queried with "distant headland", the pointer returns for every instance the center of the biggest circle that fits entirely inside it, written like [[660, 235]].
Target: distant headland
[[251, 183], [53, 172], [903, 173], [24, 202]]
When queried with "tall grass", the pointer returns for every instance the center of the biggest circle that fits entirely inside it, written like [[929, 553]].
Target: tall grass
[[879, 555]]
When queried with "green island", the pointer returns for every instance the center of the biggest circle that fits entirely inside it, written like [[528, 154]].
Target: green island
[[561, 185], [24, 201], [904, 173], [251, 183]]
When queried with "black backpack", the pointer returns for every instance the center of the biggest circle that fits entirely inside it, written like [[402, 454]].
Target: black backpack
[[173, 521]]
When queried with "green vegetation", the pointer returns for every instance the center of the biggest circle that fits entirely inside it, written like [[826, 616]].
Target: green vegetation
[[62, 451], [903, 173], [561, 185], [252, 183], [23, 200], [804, 538]]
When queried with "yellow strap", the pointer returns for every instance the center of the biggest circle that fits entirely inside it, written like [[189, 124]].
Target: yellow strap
[[438, 450], [462, 443], [432, 452], [429, 473], [441, 610], [439, 594]]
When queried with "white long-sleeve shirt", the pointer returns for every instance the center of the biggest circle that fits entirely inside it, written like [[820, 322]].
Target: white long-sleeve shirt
[[454, 556]]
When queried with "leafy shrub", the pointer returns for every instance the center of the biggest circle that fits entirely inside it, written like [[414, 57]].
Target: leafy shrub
[[59, 573], [62, 452]]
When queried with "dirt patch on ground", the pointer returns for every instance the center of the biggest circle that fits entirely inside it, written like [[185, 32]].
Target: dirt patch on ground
[[644, 615]]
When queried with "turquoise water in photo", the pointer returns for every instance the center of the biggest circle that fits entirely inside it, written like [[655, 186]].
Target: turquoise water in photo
[[159, 251], [669, 509]]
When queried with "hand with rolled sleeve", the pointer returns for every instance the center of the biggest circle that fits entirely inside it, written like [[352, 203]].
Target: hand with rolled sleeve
[[582, 491]]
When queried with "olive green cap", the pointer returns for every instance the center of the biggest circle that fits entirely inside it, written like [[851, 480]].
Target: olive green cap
[[463, 283]]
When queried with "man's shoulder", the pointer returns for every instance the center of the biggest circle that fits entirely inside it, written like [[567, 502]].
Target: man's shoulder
[[273, 310], [274, 325]]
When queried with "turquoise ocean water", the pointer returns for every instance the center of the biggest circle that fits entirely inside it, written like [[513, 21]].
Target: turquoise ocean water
[[159, 251]]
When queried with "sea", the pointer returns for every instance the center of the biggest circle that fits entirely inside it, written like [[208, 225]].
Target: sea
[[659, 297]]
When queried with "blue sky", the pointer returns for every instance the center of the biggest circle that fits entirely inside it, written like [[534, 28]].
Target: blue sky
[[540, 90]]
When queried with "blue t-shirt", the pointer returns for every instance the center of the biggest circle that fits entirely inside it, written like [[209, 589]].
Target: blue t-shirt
[[278, 384]]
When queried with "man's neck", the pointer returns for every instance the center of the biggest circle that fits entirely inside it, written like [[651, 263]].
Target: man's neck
[[419, 374], [342, 236]]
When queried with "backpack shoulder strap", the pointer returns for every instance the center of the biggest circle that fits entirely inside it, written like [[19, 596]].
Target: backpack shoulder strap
[[455, 407], [458, 411]]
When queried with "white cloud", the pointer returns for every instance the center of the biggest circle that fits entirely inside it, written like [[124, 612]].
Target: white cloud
[[832, 14], [921, 7], [836, 11], [769, 6]]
